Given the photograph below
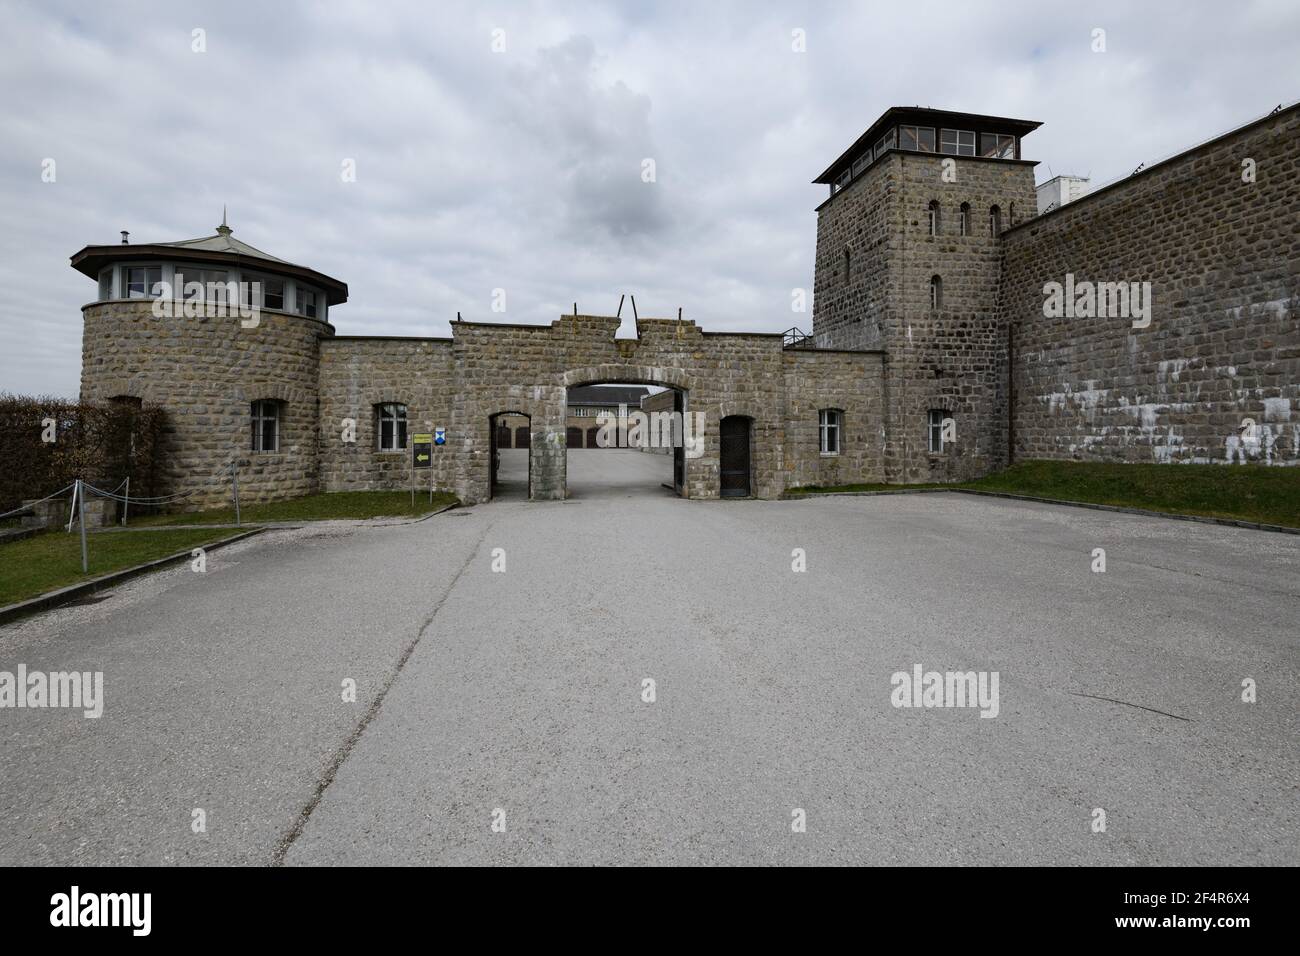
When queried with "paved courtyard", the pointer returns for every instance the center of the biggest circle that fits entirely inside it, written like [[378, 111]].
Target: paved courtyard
[[522, 691]]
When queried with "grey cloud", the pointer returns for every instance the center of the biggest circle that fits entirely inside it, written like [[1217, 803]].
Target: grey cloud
[[521, 170]]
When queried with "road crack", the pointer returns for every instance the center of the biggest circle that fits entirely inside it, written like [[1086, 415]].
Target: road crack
[[345, 751]]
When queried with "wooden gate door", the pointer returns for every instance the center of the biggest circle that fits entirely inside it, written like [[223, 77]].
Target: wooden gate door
[[679, 445], [735, 456]]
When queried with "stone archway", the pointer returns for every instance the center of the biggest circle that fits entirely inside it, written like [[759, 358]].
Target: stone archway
[[620, 373], [499, 478]]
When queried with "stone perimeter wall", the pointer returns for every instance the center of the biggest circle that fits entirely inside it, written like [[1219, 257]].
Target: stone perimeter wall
[[1223, 346], [356, 374], [206, 373]]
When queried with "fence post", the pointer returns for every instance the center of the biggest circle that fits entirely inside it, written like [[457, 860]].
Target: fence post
[[127, 502], [234, 485], [81, 511], [72, 505]]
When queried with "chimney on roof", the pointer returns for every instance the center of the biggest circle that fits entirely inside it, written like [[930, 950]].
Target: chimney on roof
[[126, 237]]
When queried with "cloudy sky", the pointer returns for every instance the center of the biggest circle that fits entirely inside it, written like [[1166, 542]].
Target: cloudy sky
[[521, 168]]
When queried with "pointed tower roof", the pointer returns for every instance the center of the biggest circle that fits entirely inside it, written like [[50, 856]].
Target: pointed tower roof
[[223, 241]]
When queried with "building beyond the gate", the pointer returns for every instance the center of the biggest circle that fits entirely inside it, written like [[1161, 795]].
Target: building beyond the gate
[[932, 354]]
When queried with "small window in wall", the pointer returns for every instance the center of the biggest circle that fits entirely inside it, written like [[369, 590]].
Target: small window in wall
[[963, 220], [127, 401], [936, 292], [997, 146], [392, 426], [829, 421], [142, 281], [105, 284], [266, 425], [939, 435], [306, 302], [932, 217], [848, 267], [957, 142], [995, 221]]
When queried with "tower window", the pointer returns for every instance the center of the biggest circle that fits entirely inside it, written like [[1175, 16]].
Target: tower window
[[995, 221], [266, 425], [392, 426], [306, 302], [210, 281], [828, 424], [272, 296], [940, 431], [884, 144], [918, 138], [957, 142], [142, 281], [997, 146], [932, 215], [105, 284], [963, 220], [936, 292]]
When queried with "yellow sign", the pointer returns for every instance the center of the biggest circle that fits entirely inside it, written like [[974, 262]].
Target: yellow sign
[[422, 451]]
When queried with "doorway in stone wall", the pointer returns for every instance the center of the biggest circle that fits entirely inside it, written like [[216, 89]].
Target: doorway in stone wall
[[510, 441], [736, 457]]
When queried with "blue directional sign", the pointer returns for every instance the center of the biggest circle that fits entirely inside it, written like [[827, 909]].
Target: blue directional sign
[[440, 436]]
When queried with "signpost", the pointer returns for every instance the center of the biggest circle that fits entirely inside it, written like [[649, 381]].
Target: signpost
[[421, 457]]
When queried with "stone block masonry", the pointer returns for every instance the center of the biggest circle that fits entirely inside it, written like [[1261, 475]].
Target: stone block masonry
[[1215, 377], [206, 373], [876, 256]]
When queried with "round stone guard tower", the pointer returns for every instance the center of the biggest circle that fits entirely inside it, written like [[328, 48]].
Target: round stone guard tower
[[225, 338]]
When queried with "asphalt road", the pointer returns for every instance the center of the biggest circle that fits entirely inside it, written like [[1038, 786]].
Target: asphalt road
[[522, 690]]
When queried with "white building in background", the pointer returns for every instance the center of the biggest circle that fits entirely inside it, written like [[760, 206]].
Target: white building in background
[[1059, 190]]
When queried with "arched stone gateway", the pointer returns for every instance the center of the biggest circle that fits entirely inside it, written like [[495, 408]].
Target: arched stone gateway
[[632, 374], [490, 367]]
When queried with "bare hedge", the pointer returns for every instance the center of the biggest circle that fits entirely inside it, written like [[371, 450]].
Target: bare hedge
[[101, 444]]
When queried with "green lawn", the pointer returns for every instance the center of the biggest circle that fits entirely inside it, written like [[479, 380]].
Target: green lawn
[[336, 504], [1241, 492], [52, 559]]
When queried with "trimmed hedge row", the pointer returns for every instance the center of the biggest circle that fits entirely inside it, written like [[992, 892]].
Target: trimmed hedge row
[[101, 444]]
